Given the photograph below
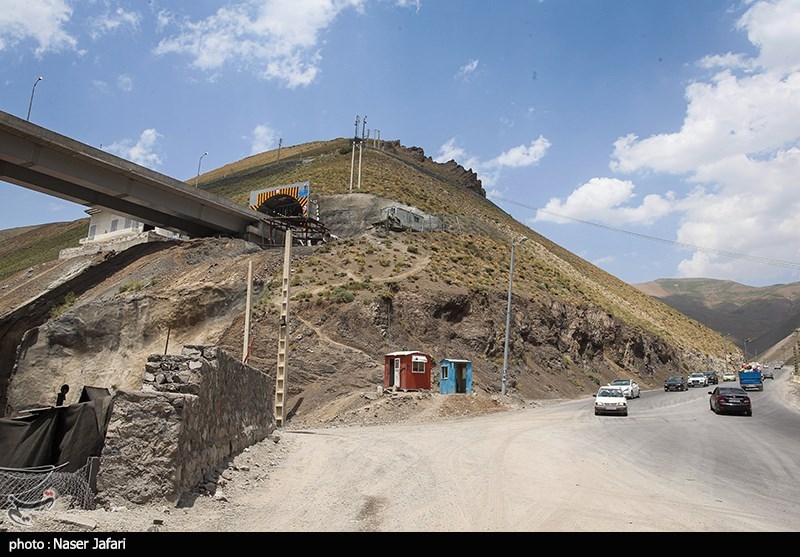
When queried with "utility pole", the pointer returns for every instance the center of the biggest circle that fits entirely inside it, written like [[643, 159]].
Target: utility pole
[[280, 376], [508, 313], [353, 154], [280, 142], [360, 149], [246, 347]]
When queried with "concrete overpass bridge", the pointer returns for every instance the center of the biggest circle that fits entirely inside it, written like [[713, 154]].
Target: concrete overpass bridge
[[39, 159]]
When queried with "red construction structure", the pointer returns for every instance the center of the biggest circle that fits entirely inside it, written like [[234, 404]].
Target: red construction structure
[[407, 371]]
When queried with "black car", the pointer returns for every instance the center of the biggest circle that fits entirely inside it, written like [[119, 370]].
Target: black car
[[676, 383], [712, 377], [730, 400]]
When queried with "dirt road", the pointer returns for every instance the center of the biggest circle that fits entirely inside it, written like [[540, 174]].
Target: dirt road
[[671, 466]]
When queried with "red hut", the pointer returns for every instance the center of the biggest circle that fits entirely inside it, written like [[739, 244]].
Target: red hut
[[407, 371]]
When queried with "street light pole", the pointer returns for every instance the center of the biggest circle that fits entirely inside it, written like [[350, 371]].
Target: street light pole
[[33, 90], [745, 347], [508, 313], [727, 352], [198, 168]]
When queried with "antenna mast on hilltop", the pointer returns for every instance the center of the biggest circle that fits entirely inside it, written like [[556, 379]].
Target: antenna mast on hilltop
[[360, 149], [353, 154]]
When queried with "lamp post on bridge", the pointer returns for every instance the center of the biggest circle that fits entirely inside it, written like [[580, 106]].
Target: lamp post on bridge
[[33, 90], [198, 168]]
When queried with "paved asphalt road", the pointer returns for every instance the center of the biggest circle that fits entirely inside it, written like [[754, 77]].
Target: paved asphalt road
[[671, 465]]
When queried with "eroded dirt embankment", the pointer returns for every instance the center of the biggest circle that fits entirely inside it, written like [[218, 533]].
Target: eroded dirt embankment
[[72, 277]]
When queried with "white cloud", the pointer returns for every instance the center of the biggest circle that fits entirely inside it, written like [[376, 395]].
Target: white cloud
[[608, 201], [125, 82], [740, 139], [145, 151], [277, 39], [522, 155], [263, 139], [729, 60], [100, 85], [112, 21], [729, 115], [752, 211], [507, 122], [466, 71], [55, 207], [410, 3], [600, 261], [42, 21], [725, 117], [489, 172], [163, 19], [450, 151], [774, 27]]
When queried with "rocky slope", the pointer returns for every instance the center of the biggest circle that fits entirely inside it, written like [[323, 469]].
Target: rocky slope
[[367, 292], [763, 315]]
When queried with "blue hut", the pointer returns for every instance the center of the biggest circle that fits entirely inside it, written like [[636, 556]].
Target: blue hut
[[455, 376]]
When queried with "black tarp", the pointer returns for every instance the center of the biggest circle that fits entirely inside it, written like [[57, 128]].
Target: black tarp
[[59, 435]]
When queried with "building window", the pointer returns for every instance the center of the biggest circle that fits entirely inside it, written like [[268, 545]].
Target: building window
[[114, 224], [445, 372], [417, 367], [128, 224]]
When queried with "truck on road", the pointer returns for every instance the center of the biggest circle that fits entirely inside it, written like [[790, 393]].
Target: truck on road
[[750, 378]]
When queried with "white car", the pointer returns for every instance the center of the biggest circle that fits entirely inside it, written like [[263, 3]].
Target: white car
[[698, 379], [629, 387], [728, 375], [610, 400]]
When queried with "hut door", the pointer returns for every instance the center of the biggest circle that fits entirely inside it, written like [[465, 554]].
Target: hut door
[[461, 378], [396, 376]]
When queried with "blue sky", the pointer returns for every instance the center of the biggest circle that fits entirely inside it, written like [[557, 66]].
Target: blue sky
[[655, 139]]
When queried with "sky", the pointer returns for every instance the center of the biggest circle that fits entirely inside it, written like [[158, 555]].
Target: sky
[[653, 138]]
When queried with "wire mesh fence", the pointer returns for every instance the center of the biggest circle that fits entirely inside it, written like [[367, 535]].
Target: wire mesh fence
[[38, 488]]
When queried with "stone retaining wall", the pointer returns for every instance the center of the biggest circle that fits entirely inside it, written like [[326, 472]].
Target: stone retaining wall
[[194, 412]]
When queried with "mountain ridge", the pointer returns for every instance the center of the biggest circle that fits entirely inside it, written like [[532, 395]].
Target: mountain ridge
[[573, 326], [764, 315]]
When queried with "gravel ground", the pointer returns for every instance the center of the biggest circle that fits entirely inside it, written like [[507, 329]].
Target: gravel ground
[[245, 494]]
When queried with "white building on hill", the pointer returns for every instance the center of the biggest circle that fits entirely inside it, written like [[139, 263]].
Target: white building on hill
[[111, 232]]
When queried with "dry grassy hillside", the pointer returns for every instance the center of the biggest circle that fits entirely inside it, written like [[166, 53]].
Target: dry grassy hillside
[[763, 315], [475, 251], [23, 248], [358, 297]]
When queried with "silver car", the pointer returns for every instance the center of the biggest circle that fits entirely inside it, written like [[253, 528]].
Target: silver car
[[610, 400], [629, 387], [698, 379]]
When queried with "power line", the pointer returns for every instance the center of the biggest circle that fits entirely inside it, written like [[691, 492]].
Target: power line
[[693, 247]]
